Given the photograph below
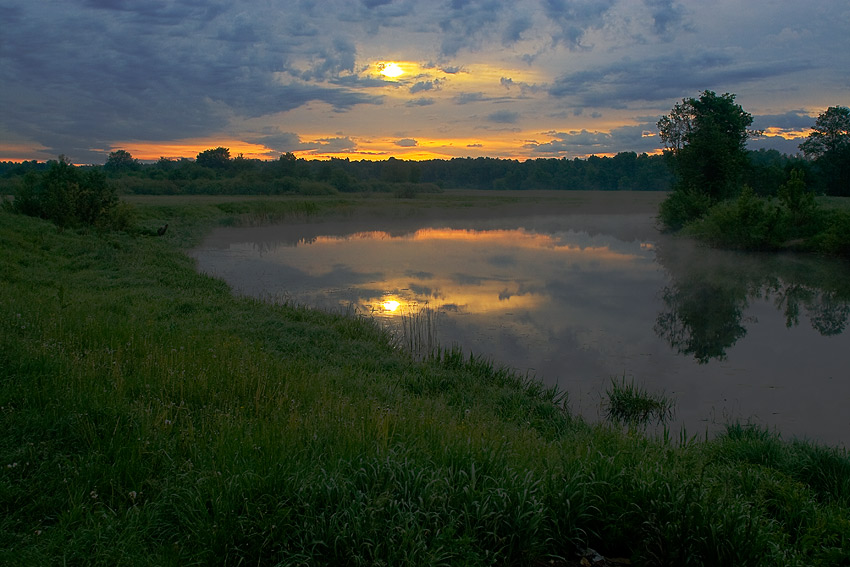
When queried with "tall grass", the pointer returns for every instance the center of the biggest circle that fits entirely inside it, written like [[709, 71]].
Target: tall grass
[[150, 417], [419, 334], [632, 405]]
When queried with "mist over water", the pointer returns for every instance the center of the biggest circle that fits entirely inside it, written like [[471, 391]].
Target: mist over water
[[579, 300]]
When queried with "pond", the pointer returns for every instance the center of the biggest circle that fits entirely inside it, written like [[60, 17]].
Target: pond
[[579, 296]]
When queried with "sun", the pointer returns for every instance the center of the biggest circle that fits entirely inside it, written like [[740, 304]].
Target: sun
[[391, 70]]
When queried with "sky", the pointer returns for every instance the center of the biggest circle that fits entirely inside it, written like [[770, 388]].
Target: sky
[[411, 79]]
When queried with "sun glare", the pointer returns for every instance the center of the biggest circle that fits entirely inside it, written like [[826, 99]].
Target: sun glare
[[391, 70], [391, 305]]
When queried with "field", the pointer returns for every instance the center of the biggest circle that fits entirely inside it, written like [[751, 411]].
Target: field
[[151, 417]]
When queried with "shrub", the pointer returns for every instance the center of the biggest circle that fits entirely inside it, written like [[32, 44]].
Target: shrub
[[835, 238], [799, 202], [69, 197], [747, 223], [682, 207]]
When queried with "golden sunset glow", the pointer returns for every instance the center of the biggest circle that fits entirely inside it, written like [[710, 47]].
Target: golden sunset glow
[[506, 238], [408, 80], [190, 148], [503, 263], [391, 70], [787, 133]]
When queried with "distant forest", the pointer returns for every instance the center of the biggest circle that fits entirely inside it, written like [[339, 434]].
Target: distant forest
[[215, 172]]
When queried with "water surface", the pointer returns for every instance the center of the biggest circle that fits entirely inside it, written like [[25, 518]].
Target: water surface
[[578, 299]]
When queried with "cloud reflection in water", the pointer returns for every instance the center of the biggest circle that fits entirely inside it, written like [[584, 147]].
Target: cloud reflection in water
[[471, 271], [579, 308]]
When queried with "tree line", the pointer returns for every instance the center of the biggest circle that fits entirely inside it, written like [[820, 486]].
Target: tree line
[[215, 171], [688, 156], [714, 197]]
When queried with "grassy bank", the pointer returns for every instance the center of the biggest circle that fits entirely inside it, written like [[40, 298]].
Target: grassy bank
[[149, 417]]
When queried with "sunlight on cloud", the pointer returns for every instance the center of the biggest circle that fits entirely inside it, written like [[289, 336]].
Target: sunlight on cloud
[[787, 133], [190, 148], [391, 70]]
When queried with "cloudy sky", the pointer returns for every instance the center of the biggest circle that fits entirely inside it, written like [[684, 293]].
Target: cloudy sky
[[414, 79]]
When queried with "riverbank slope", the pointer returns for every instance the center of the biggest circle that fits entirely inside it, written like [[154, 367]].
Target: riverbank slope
[[150, 417]]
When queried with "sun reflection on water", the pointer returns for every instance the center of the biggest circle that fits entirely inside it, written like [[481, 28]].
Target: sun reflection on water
[[458, 269]]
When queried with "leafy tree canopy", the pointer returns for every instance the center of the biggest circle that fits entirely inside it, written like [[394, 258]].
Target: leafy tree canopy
[[120, 160], [216, 158], [707, 136], [830, 134]]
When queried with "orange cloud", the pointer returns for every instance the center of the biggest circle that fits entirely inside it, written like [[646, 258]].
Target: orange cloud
[[190, 148]]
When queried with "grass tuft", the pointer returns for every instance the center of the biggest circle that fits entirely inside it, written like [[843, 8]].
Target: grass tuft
[[630, 404]]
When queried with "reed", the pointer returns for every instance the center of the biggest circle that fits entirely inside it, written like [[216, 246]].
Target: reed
[[632, 405], [419, 333]]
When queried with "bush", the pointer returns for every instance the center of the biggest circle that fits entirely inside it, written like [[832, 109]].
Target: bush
[[835, 238], [800, 203], [747, 223], [682, 207], [69, 197]]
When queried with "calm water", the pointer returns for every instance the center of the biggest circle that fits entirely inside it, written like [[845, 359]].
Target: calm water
[[580, 299]]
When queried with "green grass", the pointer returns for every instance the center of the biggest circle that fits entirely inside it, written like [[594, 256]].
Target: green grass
[[630, 404], [151, 417]]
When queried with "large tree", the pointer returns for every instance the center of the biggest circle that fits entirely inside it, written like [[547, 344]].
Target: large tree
[[707, 137], [217, 158], [829, 146], [119, 161], [831, 133]]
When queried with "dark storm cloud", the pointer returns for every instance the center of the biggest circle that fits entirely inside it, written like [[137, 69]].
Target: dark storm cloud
[[514, 29], [423, 101], [639, 138], [419, 275], [281, 142], [668, 17], [81, 75], [465, 24], [791, 120], [467, 98], [78, 76], [424, 86], [668, 77], [524, 88], [503, 117], [336, 145], [575, 17]]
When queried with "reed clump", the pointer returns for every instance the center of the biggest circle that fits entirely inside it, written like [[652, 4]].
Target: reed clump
[[150, 417], [633, 405]]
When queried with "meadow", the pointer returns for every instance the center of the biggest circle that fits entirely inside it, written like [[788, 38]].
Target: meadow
[[151, 417]]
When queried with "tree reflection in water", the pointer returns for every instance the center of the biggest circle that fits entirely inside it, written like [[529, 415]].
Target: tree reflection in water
[[710, 292], [702, 319]]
